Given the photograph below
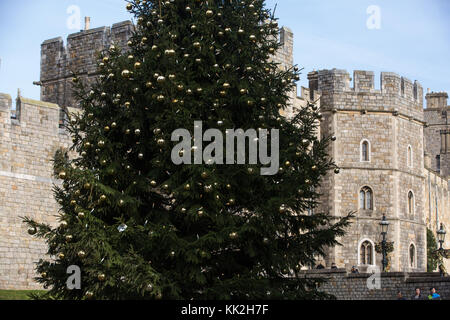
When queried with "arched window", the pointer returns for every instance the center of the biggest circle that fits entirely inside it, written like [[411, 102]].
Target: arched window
[[409, 157], [366, 199], [412, 256], [365, 151], [410, 203], [366, 253]]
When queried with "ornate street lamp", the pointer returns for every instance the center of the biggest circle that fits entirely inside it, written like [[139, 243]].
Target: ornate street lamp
[[384, 224], [441, 237]]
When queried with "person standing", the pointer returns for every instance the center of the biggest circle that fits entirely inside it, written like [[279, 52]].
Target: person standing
[[417, 295], [434, 295]]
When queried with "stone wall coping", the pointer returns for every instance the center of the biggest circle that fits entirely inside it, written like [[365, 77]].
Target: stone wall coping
[[57, 39], [122, 24], [324, 271], [427, 279], [86, 32], [39, 103], [5, 96]]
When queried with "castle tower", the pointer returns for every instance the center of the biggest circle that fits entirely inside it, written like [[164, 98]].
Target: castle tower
[[379, 149]]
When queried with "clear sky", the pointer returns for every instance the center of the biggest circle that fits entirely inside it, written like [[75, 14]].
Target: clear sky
[[409, 37]]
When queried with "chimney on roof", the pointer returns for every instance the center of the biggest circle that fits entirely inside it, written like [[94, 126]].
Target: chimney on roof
[[87, 23]]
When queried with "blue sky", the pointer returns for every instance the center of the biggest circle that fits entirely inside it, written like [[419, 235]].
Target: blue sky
[[413, 39]]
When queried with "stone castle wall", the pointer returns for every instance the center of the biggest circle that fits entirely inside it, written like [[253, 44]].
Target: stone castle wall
[[347, 286], [437, 132], [27, 147]]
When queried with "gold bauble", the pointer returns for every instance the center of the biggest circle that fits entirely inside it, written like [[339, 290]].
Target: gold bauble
[[187, 187], [153, 183], [87, 186], [63, 224], [161, 79], [73, 203], [129, 6], [106, 128], [197, 45], [137, 65], [204, 175], [101, 143], [208, 188], [161, 142], [126, 74], [81, 254], [101, 277], [89, 295], [137, 132], [141, 156], [69, 238], [44, 275], [61, 256], [102, 197], [81, 215], [209, 13], [183, 210], [233, 235], [226, 85], [32, 231], [62, 175]]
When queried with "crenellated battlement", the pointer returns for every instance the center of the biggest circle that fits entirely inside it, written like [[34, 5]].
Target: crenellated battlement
[[79, 55], [58, 61], [397, 94]]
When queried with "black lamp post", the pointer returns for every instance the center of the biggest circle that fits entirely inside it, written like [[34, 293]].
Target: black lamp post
[[384, 224], [441, 237]]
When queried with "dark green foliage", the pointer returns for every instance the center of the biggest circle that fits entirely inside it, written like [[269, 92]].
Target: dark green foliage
[[232, 234], [433, 258]]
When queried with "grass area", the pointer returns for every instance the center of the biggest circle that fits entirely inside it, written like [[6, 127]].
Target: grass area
[[17, 294]]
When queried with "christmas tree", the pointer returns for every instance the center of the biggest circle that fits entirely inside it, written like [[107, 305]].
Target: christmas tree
[[141, 219]]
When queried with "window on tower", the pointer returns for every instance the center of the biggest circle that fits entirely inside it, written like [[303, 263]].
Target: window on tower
[[366, 253], [366, 199], [365, 151], [410, 203]]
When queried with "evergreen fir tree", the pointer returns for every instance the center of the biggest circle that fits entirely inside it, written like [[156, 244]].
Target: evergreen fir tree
[[140, 226]]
